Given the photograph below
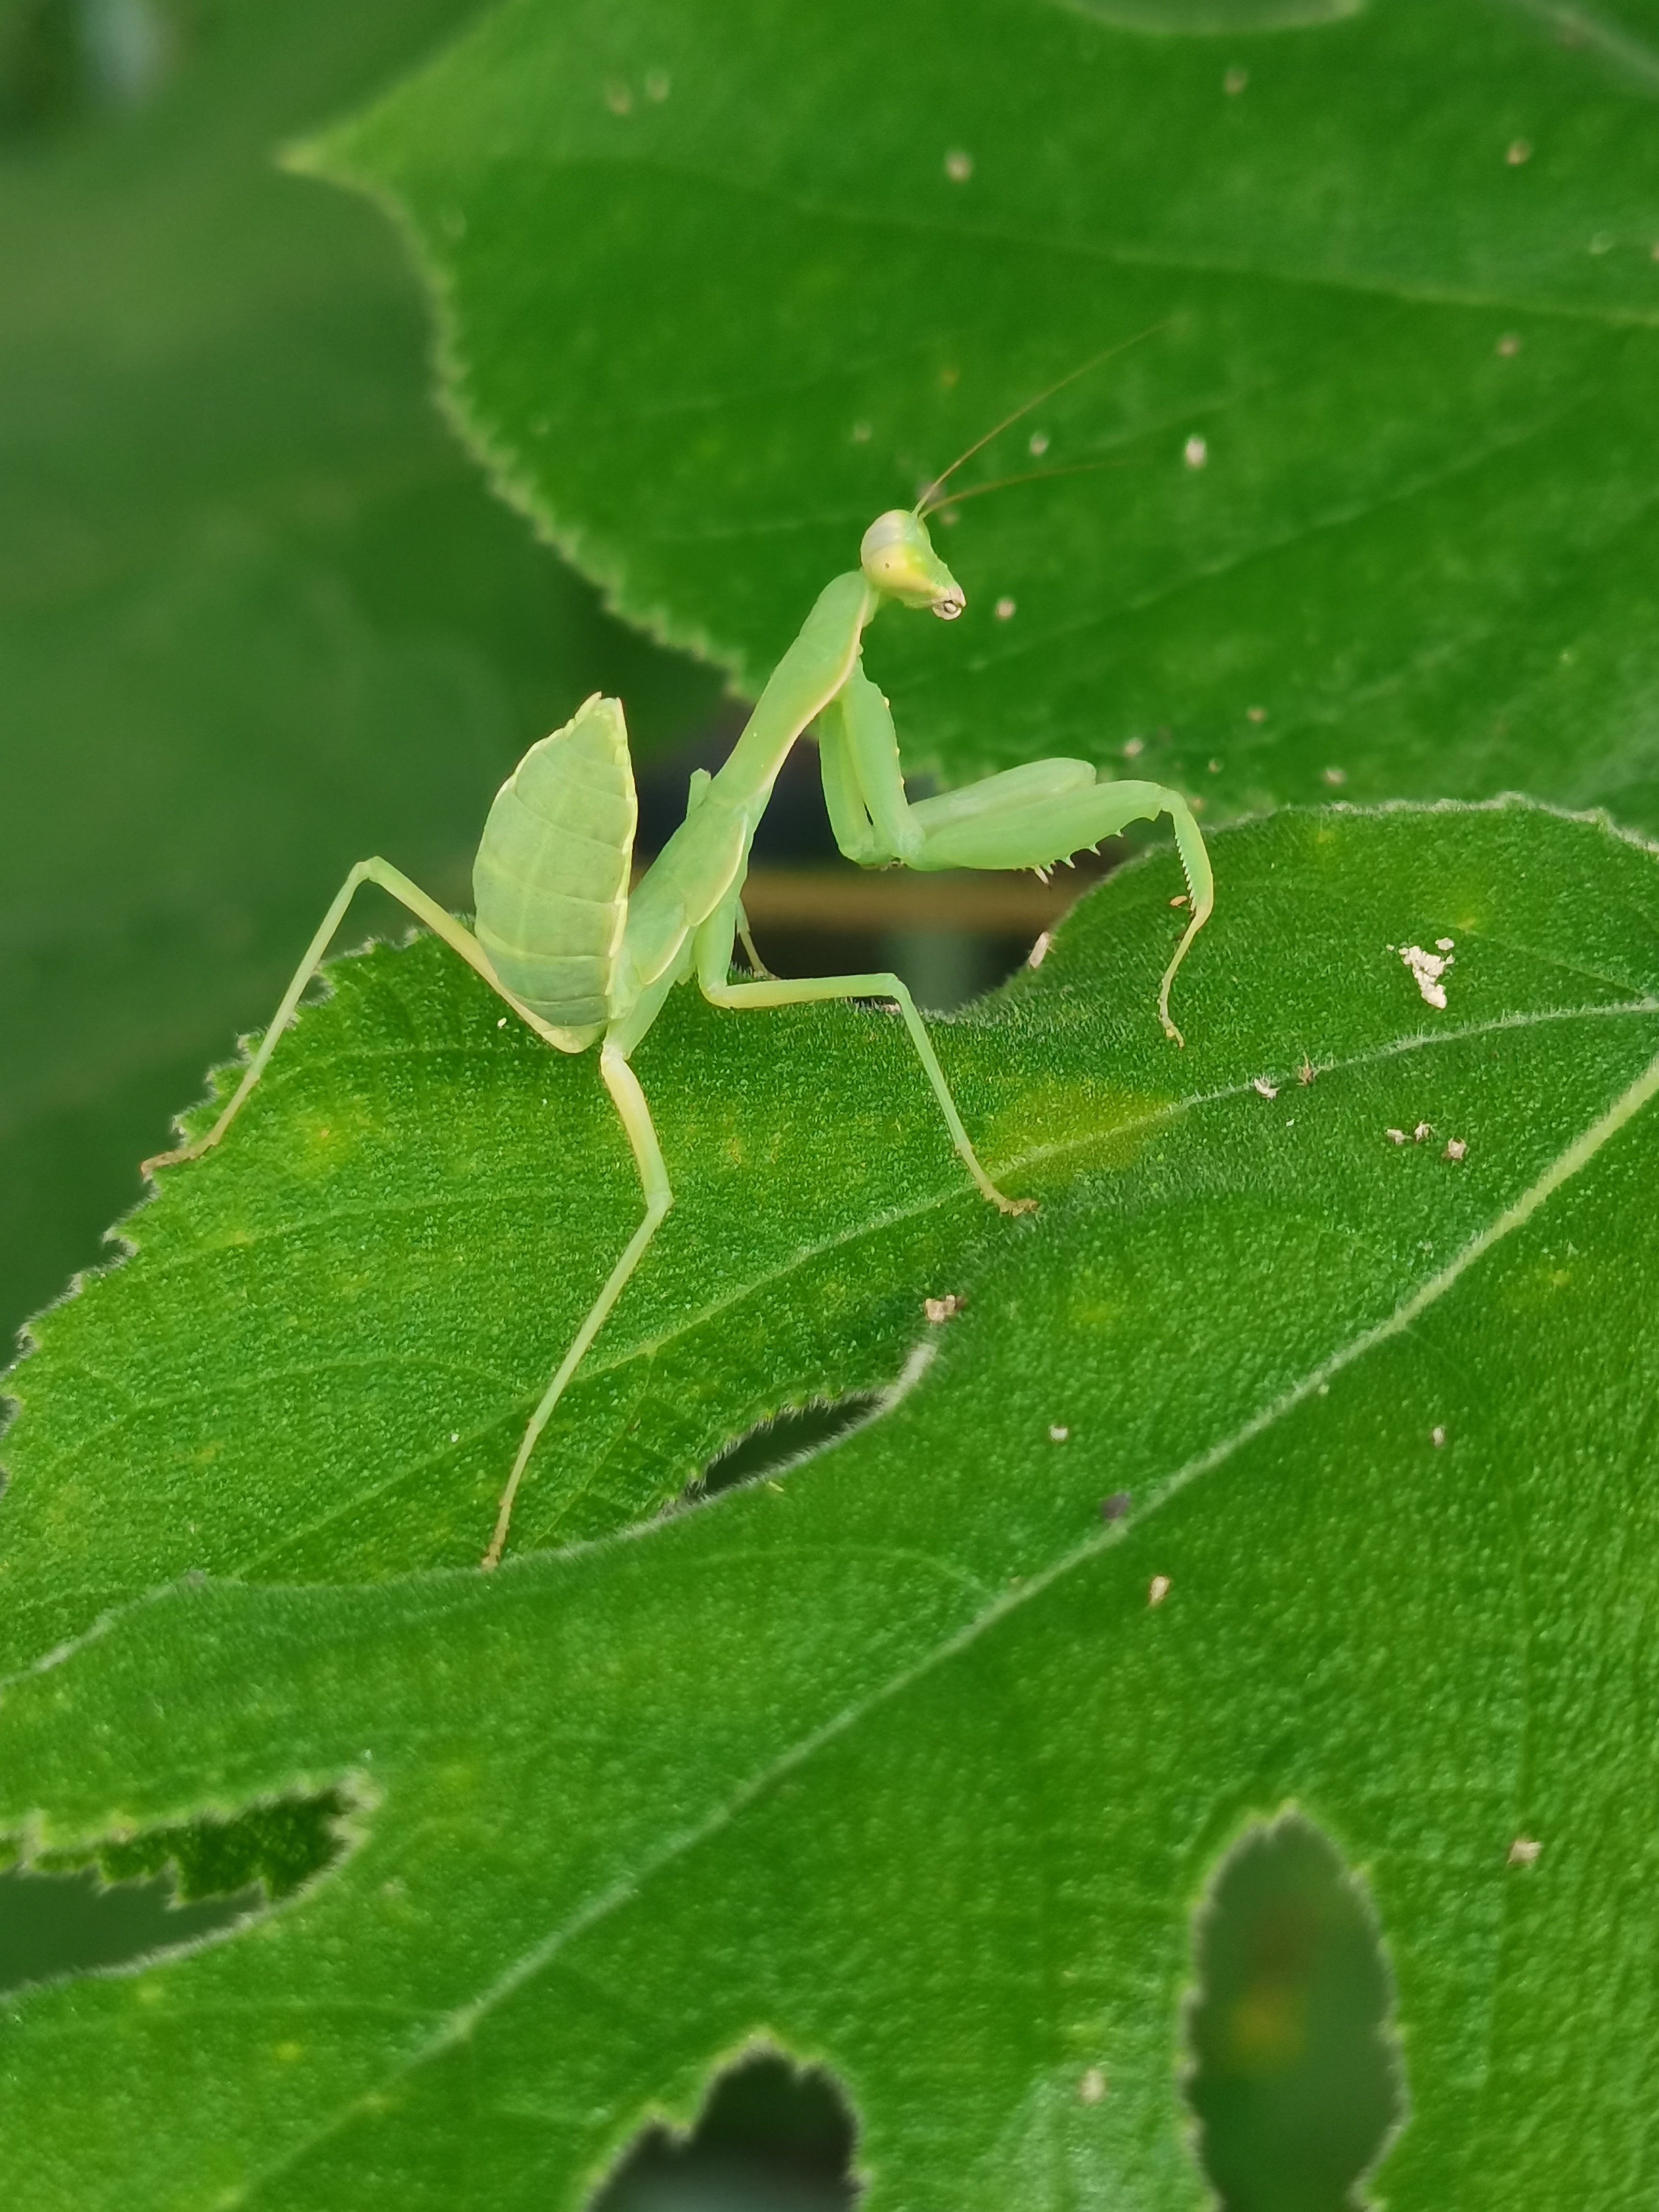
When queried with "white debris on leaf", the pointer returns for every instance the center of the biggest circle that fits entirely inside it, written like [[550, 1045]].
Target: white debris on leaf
[[1157, 1589], [1427, 969], [1454, 1149], [1267, 1089], [1058, 1435], [1394, 1136], [1039, 951], [1092, 2087], [945, 1309], [1524, 1850]]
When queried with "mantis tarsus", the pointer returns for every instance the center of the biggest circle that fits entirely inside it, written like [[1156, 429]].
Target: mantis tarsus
[[584, 959]]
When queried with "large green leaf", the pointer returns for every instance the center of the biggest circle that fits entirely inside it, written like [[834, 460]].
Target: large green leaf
[[719, 281], [889, 1757], [257, 616]]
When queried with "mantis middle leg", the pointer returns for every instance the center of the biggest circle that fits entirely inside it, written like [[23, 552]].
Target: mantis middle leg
[[713, 957]]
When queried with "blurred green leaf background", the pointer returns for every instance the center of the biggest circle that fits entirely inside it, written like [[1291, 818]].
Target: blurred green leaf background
[[258, 613]]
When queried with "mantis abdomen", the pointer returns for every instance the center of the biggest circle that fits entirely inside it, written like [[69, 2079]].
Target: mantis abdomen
[[550, 880]]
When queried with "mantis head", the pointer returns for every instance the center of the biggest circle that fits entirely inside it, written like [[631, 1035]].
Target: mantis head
[[897, 557]]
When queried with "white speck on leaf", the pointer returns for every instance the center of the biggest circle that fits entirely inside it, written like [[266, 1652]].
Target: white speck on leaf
[[1255, 714], [1039, 443], [1517, 151], [1421, 1131], [1039, 951], [1266, 1089], [502, 1024], [1157, 1589], [1394, 1136], [1437, 1437], [1509, 345], [1443, 943], [958, 166], [1427, 969], [1058, 1435], [1092, 2087], [1195, 452], [1134, 748], [1336, 776], [454, 1436], [939, 1309], [1454, 1149], [1004, 610], [1523, 1851]]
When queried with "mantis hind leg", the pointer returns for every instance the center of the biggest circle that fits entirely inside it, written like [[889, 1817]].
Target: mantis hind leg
[[425, 909], [713, 949], [622, 1084]]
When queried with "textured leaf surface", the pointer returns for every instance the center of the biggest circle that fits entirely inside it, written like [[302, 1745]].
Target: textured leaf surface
[[1391, 267], [889, 1757], [257, 616]]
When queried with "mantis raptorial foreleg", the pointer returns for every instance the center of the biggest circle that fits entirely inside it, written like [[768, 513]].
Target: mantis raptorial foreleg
[[1031, 816]]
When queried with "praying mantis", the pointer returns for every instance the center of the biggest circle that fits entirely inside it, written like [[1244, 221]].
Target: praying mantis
[[584, 959]]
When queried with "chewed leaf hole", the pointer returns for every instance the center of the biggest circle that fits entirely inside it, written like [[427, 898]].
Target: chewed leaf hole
[[1295, 2079], [782, 1441], [772, 2137], [127, 1899]]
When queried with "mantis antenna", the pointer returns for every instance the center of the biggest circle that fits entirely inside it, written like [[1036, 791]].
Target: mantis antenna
[[930, 498], [1027, 475]]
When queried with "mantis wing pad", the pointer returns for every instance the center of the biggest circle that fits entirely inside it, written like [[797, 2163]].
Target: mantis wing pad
[[550, 880]]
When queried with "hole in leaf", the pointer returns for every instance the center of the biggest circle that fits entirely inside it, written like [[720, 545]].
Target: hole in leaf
[[772, 2137], [120, 1901], [781, 1441], [1296, 2080]]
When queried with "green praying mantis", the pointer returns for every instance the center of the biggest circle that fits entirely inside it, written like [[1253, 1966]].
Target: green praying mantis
[[584, 958]]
